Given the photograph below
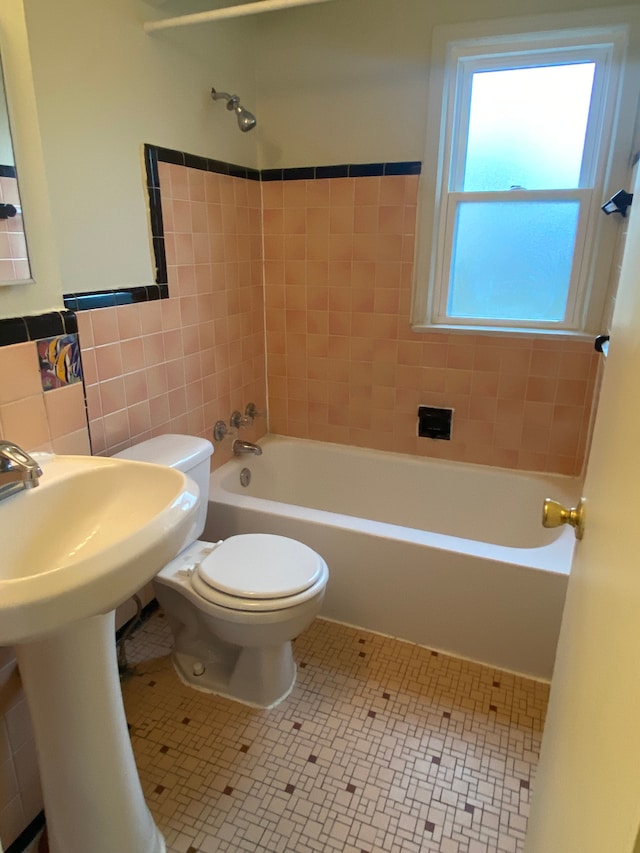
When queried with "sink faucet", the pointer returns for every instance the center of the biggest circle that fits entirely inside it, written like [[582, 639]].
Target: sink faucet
[[17, 469], [241, 447]]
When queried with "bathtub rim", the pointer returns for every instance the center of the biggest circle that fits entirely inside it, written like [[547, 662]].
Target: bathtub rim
[[533, 558]]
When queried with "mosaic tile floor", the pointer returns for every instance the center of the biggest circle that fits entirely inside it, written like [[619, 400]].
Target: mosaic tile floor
[[382, 746]]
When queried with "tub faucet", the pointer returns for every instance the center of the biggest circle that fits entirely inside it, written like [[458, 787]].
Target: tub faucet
[[241, 447], [17, 469]]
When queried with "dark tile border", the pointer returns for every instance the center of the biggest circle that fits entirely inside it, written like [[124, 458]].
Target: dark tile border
[[27, 836], [295, 173], [8, 172], [112, 298], [13, 331], [205, 164], [411, 167], [18, 330], [338, 171], [151, 157], [345, 170]]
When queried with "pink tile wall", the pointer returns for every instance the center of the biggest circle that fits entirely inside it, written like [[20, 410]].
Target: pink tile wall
[[14, 264], [56, 421], [180, 364], [342, 362], [344, 366]]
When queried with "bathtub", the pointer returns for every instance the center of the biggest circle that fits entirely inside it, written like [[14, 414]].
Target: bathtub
[[450, 556]]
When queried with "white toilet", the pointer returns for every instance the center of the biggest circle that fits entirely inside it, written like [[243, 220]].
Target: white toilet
[[234, 606]]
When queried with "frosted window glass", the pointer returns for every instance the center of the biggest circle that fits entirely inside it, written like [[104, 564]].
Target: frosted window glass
[[527, 127], [512, 260]]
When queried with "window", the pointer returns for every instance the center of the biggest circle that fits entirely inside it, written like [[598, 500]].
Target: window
[[521, 141]]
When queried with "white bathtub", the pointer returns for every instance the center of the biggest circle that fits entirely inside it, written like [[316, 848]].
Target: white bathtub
[[447, 555]]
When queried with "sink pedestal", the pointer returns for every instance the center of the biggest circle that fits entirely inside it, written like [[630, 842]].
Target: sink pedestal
[[92, 793]]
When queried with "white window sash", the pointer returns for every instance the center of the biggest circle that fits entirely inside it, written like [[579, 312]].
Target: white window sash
[[526, 57], [574, 306]]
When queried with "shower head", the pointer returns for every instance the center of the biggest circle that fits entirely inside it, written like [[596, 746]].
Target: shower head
[[246, 120]]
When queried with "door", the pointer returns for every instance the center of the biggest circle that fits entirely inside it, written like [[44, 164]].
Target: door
[[586, 797]]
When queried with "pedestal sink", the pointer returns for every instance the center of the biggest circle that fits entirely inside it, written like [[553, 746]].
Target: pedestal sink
[[92, 533]]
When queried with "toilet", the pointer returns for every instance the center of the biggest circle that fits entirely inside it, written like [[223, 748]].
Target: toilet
[[233, 606]]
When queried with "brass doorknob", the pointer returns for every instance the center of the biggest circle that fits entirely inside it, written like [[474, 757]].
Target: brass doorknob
[[554, 514]]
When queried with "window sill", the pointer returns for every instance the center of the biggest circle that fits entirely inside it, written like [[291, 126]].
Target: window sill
[[501, 331]]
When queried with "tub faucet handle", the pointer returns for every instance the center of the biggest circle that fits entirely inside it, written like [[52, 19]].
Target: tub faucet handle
[[221, 430], [252, 412], [238, 420]]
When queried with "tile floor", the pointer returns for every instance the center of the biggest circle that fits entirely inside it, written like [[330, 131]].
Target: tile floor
[[382, 746]]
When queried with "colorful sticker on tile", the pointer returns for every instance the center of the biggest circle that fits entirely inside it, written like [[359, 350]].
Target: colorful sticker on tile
[[59, 361]]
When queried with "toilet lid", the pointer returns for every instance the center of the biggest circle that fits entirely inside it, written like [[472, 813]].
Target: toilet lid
[[260, 566]]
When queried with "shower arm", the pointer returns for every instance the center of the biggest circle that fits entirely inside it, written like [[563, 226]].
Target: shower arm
[[232, 100]]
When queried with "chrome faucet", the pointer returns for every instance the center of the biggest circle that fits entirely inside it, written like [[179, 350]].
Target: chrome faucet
[[18, 470], [241, 447]]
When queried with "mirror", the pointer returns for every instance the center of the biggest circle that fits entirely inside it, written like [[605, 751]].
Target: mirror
[[14, 261]]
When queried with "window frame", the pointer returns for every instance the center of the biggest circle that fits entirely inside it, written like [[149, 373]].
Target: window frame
[[558, 38]]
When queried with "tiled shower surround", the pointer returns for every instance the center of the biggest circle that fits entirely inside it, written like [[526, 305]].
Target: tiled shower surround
[[382, 747], [342, 363]]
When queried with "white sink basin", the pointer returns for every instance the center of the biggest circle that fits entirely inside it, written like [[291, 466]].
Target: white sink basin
[[85, 539]]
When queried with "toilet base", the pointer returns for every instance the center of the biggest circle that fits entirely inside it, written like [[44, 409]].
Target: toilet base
[[260, 677]]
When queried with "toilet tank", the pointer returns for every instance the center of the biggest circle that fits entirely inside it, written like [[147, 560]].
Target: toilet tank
[[188, 454]]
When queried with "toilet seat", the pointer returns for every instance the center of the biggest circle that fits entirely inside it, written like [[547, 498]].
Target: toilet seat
[[256, 572]]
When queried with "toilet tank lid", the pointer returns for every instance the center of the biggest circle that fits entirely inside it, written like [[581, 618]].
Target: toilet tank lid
[[183, 452]]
